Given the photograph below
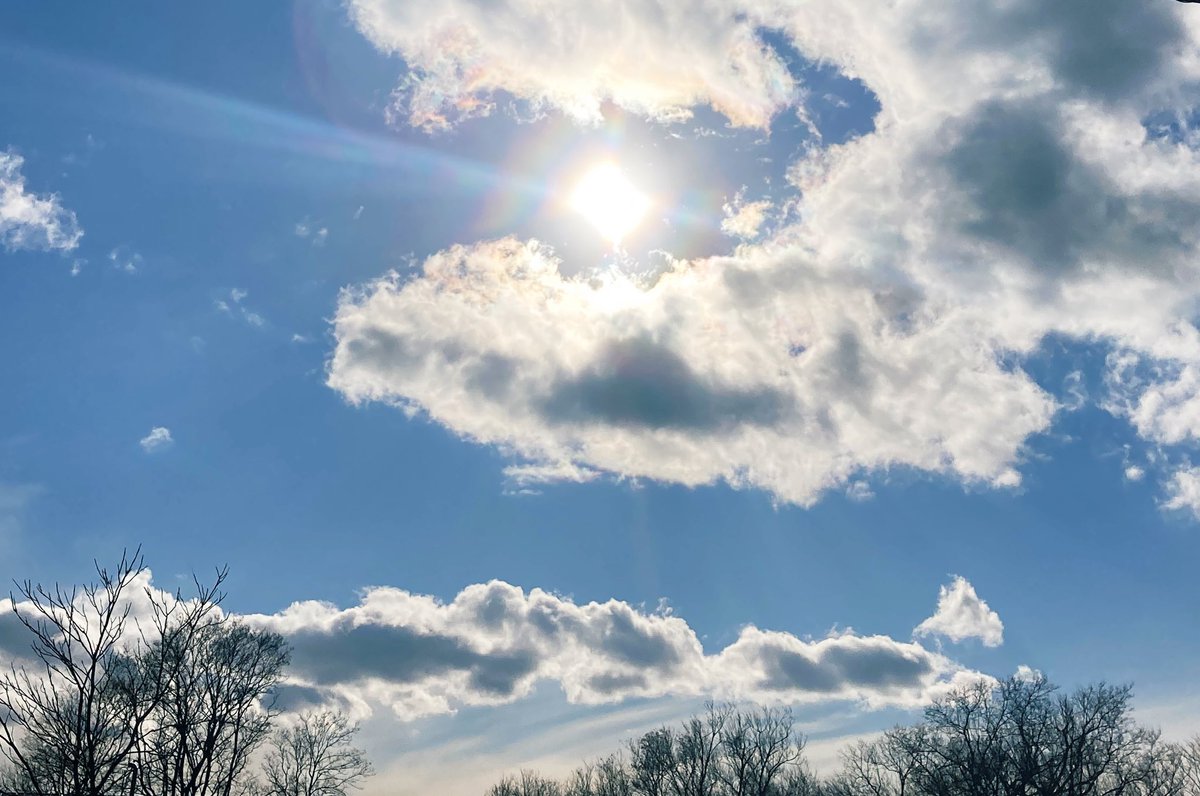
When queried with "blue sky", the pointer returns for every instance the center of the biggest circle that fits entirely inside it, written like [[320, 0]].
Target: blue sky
[[810, 428]]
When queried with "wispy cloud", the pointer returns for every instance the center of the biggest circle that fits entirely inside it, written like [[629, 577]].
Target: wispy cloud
[[125, 259], [15, 498], [235, 307], [32, 221], [157, 440], [314, 234]]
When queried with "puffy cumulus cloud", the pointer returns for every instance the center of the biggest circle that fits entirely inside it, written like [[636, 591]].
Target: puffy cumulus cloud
[[137, 605], [30, 221], [494, 641], [1009, 191], [962, 615], [655, 57], [769, 369]]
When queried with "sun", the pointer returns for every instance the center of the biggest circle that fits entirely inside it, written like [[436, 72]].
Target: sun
[[606, 198]]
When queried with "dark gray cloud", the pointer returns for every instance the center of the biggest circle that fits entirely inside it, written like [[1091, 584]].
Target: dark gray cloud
[[297, 698], [627, 641], [402, 655], [1027, 190], [1109, 49], [642, 383], [855, 664], [15, 639], [493, 642]]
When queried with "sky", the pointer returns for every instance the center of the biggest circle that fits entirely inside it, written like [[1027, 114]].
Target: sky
[[894, 385]]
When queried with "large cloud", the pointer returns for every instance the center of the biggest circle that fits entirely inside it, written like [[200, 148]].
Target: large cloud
[[493, 642], [652, 56], [29, 221], [1010, 191]]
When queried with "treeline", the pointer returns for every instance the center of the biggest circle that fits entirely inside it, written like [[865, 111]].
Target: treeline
[[1022, 737], [127, 690]]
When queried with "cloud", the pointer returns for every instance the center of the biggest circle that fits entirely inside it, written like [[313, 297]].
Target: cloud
[[317, 236], [237, 296], [1010, 192], [494, 642], [15, 499], [719, 370], [653, 57], [158, 439], [125, 259], [961, 615], [744, 219], [1183, 491], [30, 221]]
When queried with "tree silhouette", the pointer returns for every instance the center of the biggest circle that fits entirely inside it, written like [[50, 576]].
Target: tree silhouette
[[316, 757]]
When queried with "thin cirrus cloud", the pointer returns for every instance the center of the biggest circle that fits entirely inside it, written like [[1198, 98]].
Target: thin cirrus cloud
[[1012, 190], [961, 615], [32, 221]]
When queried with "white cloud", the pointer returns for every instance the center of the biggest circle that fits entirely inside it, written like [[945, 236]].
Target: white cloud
[[407, 656], [494, 642], [1027, 674], [315, 235], [1008, 193], [125, 259], [961, 615], [1183, 491], [30, 221], [859, 491], [719, 370], [654, 57], [158, 439], [238, 296], [744, 219], [1134, 473]]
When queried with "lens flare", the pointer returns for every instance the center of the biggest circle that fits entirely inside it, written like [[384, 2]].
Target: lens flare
[[607, 199]]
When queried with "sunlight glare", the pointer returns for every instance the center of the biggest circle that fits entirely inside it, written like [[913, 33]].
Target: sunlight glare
[[607, 199]]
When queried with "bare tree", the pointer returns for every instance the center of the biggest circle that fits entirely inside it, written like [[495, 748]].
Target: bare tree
[[883, 767], [527, 784], [214, 714], [1190, 765], [1021, 737], [652, 763], [606, 777], [71, 718], [316, 757], [757, 750], [698, 751]]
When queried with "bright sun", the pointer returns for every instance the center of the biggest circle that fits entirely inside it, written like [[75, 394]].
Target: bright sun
[[607, 199]]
